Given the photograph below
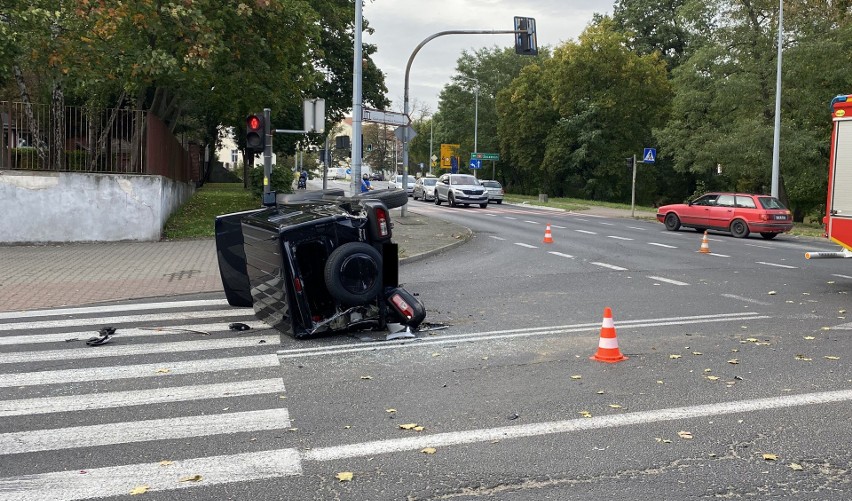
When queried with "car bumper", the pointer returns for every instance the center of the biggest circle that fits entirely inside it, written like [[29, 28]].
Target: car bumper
[[471, 200], [661, 217], [770, 227]]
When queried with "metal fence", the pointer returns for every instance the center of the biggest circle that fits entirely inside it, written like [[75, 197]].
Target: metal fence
[[80, 140]]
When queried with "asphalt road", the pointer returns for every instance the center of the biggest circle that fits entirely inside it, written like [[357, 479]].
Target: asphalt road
[[737, 385]]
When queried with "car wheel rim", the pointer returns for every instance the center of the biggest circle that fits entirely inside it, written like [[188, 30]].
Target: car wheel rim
[[358, 273]]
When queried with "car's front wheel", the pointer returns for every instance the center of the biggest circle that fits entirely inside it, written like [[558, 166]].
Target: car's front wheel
[[769, 236], [739, 228], [672, 222], [437, 199], [483, 205]]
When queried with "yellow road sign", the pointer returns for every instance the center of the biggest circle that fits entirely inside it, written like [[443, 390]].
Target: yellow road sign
[[448, 151]]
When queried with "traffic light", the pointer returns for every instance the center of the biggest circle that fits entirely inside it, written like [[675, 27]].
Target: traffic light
[[525, 38], [629, 162], [255, 134]]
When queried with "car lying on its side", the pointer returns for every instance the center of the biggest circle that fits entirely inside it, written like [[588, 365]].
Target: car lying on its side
[[317, 263], [737, 213]]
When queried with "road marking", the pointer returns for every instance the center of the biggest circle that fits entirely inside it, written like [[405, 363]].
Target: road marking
[[557, 226], [532, 222], [618, 238], [637, 228], [714, 254], [116, 350], [528, 246], [747, 299], [120, 480], [23, 442], [610, 266], [160, 370], [160, 332], [439, 440], [586, 232], [778, 265], [514, 333], [159, 317], [496, 238], [662, 245], [608, 224], [841, 276], [581, 219], [760, 246], [113, 399], [509, 217], [112, 308], [561, 254], [667, 280]]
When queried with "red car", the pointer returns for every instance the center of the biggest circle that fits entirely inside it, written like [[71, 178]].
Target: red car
[[738, 213]]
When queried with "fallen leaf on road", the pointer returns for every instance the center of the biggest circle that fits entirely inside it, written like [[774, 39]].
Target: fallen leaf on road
[[674, 356], [166, 462], [139, 489], [802, 357], [344, 476], [830, 357], [825, 328], [408, 426], [390, 410], [585, 413], [713, 378], [733, 361], [686, 435], [772, 293], [751, 339], [795, 466], [809, 337], [192, 478], [770, 457], [162, 371], [366, 377], [419, 428], [663, 440], [697, 353], [576, 376], [429, 450], [708, 370], [615, 406]]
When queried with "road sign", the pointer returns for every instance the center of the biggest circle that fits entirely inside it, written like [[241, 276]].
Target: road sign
[[649, 155], [399, 130], [434, 158], [448, 151], [385, 117], [485, 156], [475, 163]]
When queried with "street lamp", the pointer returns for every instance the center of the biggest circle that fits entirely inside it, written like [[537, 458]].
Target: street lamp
[[475, 114], [776, 143]]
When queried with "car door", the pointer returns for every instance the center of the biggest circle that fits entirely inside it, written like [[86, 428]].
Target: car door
[[442, 186], [720, 214], [697, 213]]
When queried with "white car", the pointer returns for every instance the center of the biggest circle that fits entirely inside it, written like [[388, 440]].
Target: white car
[[424, 189], [460, 189], [396, 182]]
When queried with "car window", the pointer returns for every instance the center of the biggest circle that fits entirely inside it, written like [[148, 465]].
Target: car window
[[491, 184], [771, 203], [746, 203], [725, 201], [463, 179], [706, 200], [430, 181]]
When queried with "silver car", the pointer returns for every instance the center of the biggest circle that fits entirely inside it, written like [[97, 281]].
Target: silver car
[[494, 189], [396, 182], [460, 189], [424, 188]]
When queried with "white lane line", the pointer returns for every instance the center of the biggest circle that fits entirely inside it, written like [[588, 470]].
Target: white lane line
[[112, 399], [557, 226], [496, 238], [520, 333], [608, 224], [528, 246], [610, 266], [569, 256], [86, 310], [491, 215], [120, 480], [760, 246], [158, 317], [841, 276], [23, 442], [637, 228], [587, 232], [581, 219], [717, 255], [778, 265], [662, 245], [618, 238], [747, 299], [667, 280], [64, 337], [159, 370], [532, 222], [116, 350], [439, 440], [510, 217]]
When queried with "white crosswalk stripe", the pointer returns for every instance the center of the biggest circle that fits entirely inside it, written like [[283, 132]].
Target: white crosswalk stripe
[[188, 378]]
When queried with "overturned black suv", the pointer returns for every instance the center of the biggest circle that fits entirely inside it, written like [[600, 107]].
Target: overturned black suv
[[317, 263]]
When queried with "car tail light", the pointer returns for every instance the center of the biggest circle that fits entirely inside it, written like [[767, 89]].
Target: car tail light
[[401, 306], [382, 223], [764, 217], [297, 284]]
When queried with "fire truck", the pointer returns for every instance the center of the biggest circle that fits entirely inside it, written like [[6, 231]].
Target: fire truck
[[838, 209]]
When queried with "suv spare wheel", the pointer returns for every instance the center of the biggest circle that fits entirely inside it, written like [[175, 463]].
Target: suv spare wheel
[[353, 273]]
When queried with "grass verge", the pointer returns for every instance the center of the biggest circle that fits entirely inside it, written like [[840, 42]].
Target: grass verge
[[195, 218]]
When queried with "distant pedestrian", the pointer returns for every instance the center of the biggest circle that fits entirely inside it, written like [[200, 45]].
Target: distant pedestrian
[[365, 183]]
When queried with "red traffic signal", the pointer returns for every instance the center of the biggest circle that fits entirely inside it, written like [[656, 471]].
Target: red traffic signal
[[255, 134]]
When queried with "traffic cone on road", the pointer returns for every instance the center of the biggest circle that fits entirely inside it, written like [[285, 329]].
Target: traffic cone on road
[[705, 245], [608, 344], [548, 237]]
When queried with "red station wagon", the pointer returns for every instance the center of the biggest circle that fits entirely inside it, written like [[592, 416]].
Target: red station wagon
[[738, 213]]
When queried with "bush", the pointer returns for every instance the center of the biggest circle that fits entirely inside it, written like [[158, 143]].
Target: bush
[[280, 181]]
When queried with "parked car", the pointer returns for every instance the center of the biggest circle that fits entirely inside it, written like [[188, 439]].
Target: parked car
[[494, 189], [317, 263], [424, 189], [377, 176], [460, 189], [396, 183], [738, 213]]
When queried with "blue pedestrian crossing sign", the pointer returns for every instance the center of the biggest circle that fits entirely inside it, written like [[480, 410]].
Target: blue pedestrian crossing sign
[[649, 155], [475, 163]]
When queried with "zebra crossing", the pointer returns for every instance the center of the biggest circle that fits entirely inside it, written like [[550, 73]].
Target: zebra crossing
[[175, 400]]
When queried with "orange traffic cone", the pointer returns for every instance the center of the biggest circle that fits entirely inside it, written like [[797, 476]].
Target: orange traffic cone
[[548, 237], [705, 245], [608, 345]]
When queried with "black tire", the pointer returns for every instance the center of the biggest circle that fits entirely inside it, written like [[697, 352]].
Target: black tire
[[739, 228], [437, 199], [483, 206], [769, 236], [499, 202], [353, 273], [451, 200], [672, 222], [700, 230], [390, 197]]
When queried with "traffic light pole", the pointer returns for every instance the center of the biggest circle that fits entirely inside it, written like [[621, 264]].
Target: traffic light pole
[[405, 98], [268, 196]]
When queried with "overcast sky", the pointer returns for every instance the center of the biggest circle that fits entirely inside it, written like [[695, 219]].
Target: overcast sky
[[400, 25]]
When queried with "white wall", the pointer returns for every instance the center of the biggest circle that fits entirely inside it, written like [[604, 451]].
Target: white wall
[[53, 207]]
